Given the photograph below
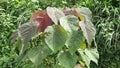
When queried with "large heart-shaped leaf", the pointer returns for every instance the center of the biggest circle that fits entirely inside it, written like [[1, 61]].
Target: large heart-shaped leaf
[[56, 37], [88, 29], [66, 59], [55, 14], [75, 39], [69, 23], [25, 32], [37, 54], [86, 25], [92, 54]]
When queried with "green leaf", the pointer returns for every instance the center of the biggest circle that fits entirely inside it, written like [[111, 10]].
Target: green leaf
[[66, 59], [37, 54], [20, 57], [18, 46], [92, 54], [55, 14], [58, 66], [75, 39], [69, 23], [1, 1], [56, 37], [85, 58]]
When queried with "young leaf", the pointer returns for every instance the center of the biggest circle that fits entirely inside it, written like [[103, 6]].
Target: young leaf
[[56, 37], [82, 63], [69, 23], [55, 14], [75, 39], [85, 58], [66, 59], [78, 66], [83, 45], [37, 54], [42, 18], [92, 54]]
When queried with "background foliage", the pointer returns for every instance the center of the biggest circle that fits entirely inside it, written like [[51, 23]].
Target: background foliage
[[106, 17]]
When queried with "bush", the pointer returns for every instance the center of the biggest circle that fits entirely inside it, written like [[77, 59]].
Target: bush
[[105, 17]]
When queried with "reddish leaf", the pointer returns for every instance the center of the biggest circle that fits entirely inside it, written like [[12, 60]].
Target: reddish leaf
[[42, 18]]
